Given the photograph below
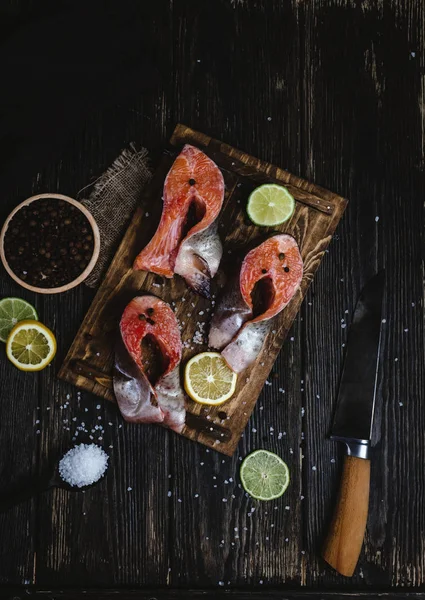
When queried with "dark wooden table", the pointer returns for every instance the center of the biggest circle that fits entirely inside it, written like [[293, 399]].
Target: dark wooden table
[[332, 91]]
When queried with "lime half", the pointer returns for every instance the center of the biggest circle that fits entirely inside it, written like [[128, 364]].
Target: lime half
[[13, 310], [270, 204], [264, 475]]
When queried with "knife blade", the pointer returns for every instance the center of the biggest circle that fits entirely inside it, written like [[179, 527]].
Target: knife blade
[[353, 422]]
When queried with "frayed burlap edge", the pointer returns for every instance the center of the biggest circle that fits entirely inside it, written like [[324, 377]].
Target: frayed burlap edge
[[112, 202]]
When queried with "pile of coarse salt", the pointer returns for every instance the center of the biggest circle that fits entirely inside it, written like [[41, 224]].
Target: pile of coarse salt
[[83, 465]]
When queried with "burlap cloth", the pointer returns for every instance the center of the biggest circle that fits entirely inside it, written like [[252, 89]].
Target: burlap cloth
[[113, 199]]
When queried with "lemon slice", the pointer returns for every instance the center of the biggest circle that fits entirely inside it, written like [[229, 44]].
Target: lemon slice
[[30, 346], [270, 204], [208, 379], [264, 475], [13, 310]]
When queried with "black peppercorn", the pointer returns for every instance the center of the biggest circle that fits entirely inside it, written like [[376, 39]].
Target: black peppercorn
[[43, 240]]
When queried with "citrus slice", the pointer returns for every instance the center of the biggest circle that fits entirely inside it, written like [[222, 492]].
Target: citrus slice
[[270, 204], [30, 346], [264, 475], [208, 379], [13, 310]]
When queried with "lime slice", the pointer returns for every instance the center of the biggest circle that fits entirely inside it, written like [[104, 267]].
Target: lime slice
[[270, 204], [264, 475], [13, 310], [30, 346], [208, 379]]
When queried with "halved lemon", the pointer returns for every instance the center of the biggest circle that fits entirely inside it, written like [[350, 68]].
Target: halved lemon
[[208, 379], [30, 346]]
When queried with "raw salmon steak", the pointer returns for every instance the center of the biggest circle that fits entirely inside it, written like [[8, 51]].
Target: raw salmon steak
[[144, 397], [193, 197], [271, 272]]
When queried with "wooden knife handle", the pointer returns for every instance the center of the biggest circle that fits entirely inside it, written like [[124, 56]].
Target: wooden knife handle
[[345, 538]]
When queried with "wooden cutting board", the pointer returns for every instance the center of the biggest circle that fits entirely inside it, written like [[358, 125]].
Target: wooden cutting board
[[89, 362]]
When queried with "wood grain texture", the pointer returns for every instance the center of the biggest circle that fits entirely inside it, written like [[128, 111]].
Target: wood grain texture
[[194, 594], [343, 85], [346, 533], [317, 212], [243, 541], [373, 157]]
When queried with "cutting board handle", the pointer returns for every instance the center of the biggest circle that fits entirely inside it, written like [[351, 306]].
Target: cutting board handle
[[345, 538]]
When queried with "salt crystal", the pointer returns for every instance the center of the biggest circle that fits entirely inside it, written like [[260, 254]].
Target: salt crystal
[[376, 219], [332, 460], [314, 468], [83, 465], [129, 489]]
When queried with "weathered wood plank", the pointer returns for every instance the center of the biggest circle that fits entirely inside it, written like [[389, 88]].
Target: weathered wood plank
[[364, 89], [19, 401], [229, 541], [194, 594], [117, 533]]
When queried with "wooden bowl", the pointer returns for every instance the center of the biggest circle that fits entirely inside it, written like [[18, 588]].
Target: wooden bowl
[[87, 270]]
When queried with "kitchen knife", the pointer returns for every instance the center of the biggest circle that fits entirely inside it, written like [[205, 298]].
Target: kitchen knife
[[353, 426]]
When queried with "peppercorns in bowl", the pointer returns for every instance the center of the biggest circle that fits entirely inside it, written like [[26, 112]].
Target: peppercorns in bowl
[[49, 243]]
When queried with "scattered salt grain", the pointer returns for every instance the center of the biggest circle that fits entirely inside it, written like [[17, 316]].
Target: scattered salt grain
[[83, 465], [129, 489], [314, 468]]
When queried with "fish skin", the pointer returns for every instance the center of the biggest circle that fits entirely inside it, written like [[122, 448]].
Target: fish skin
[[232, 312], [139, 401], [246, 346], [234, 331], [197, 256]]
